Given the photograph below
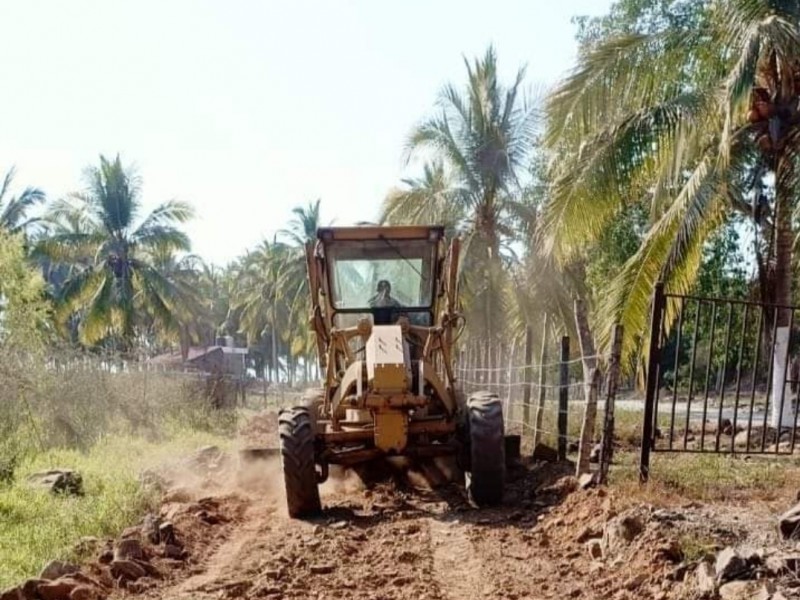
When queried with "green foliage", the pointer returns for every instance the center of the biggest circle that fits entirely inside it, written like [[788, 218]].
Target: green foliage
[[24, 312], [38, 527], [656, 113], [113, 288], [475, 150]]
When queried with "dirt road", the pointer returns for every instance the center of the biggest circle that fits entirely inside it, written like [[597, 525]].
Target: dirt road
[[394, 540]]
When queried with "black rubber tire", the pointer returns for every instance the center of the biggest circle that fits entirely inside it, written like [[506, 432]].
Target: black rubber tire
[[296, 429], [487, 469]]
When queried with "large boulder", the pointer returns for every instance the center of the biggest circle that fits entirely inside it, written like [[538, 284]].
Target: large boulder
[[789, 523], [58, 481], [57, 568]]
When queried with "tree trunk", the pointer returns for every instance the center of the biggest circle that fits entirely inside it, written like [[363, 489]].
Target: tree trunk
[[782, 415], [591, 382]]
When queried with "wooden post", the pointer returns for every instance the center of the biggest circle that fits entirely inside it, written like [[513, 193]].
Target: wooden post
[[591, 379], [563, 398], [537, 427], [653, 358], [607, 443], [528, 376]]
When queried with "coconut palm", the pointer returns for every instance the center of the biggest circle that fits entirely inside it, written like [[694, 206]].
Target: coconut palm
[[270, 284], [478, 143], [14, 211], [113, 285], [693, 122], [303, 225]]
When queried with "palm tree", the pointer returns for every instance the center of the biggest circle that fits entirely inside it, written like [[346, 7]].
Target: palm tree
[[694, 122], [113, 285], [479, 142], [303, 225], [14, 211]]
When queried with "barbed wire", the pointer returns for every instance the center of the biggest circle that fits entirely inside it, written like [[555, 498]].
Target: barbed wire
[[535, 366]]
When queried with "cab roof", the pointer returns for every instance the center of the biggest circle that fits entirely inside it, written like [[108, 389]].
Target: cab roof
[[377, 232]]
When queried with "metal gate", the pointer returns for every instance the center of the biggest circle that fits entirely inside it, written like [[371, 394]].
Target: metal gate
[[721, 377]]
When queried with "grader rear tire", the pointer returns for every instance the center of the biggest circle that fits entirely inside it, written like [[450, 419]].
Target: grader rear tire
[[487, 469], [296, 428]]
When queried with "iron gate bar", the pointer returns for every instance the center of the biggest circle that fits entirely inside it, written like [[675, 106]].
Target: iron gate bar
[[753, 384], [739, 377], [708, 374], [652, 382], [661, 339], [783, 387], [730, 300], [675, 372], [691, 376], [721, 400]]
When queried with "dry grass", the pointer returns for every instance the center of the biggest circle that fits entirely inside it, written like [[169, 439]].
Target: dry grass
[[676, 478]]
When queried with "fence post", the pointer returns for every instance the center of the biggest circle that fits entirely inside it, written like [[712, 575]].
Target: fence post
[[527, 376], [591, 377], [652, 381], [607, 442], [563, 398], [537, 426]]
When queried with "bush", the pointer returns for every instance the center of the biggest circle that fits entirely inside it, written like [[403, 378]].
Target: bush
[[74, 401]]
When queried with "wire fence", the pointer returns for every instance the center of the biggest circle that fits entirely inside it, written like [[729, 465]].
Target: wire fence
[[551, 402]]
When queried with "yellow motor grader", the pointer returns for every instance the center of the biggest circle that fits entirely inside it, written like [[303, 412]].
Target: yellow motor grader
[[384, 310]]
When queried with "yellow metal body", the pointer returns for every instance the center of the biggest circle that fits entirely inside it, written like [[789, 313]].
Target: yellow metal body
[[395, 379]]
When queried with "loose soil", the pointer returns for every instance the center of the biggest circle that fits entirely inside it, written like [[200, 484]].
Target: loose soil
[[393, 540]]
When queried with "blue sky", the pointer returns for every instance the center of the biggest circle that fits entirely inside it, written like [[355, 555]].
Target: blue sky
[[247, 108]]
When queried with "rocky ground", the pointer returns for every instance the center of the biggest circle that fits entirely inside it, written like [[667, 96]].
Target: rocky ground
[[222, 533]]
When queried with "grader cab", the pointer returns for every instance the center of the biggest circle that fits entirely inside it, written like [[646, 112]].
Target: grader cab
[[385, 313]]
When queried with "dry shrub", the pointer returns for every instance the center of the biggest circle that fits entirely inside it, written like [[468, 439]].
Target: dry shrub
[[74, 401]]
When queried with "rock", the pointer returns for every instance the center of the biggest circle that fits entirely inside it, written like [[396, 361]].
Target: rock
[[545, 453], [174, 552], [743, 590], [670, 551], [83, 592], [586, 481], [595, 548], [667, 516], [789, 523], [127, 570], [705, 581], [12, 594], [58, 481], [30, 589], [59, 589], [128, 549], [57, 568], [322, 569], [622, 530], [588, 533], [166, 532], [730, 565], [151, 528], [635, 582]]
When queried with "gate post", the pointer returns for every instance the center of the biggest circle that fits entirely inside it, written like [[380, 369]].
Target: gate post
[[653, 358], [563, 399]]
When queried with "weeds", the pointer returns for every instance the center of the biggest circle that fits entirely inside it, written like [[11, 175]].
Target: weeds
[[38, 527]]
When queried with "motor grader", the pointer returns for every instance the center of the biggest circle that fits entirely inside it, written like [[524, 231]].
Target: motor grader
[[385, 314]]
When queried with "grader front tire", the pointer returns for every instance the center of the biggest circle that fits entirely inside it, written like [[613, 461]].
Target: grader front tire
[[296, 428], [487, 467]]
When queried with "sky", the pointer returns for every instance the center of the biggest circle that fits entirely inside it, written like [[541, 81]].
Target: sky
[[248, 108]]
